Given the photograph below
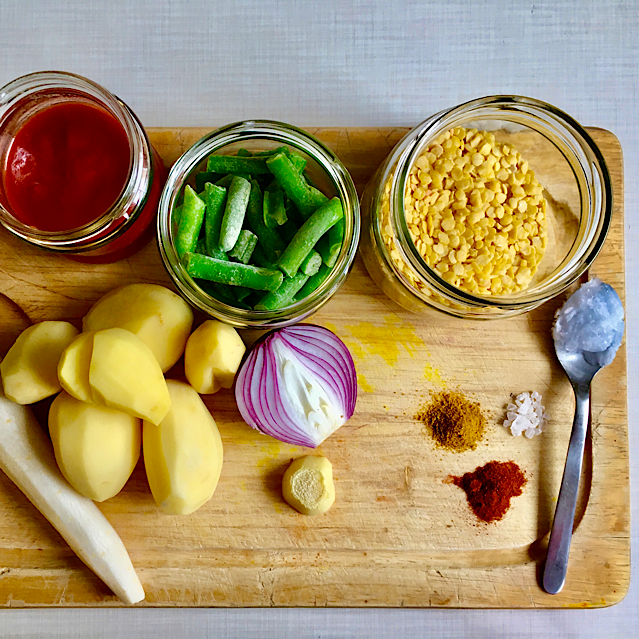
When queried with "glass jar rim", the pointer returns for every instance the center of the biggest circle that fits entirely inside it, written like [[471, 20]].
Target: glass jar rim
[[116, 219], [276, 132], [547, 120]]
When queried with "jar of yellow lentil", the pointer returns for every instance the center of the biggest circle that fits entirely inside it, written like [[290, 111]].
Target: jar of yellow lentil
[[486, 210]]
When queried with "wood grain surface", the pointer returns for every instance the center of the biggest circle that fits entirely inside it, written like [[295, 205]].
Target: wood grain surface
[[398, 534]]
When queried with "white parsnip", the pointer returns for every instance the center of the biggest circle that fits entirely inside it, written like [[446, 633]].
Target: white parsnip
[[26, 456]]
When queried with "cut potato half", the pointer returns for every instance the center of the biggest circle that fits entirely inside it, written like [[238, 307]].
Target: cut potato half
[[30, 368], [73, 368], [125, 375]]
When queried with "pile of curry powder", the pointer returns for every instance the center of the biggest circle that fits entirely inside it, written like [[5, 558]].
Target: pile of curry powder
[[453, 421]]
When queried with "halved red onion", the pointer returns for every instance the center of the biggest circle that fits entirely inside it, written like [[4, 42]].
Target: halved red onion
[[298, 384]]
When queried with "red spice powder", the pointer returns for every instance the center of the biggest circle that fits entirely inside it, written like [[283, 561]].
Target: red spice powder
[[490, 488]]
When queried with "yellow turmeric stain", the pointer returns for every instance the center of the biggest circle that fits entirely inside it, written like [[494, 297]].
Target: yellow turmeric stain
[[272, 451], [364, 385], [433, 375], [587, 604], [391, 341]]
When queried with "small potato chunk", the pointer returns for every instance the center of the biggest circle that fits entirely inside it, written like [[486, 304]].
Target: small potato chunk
[[308, 486], [183, 455], [212, 356], [73, 369], [159, 317], [96, 447], [30, 369], [125, 375]]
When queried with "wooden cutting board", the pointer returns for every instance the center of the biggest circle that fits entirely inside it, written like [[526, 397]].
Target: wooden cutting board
[[398, 534]]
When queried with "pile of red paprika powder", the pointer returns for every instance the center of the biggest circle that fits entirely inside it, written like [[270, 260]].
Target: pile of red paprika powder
[[490, 488]]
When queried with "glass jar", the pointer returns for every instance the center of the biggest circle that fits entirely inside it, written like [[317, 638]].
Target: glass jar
[[576, 187], [127, 224], [324, 170]]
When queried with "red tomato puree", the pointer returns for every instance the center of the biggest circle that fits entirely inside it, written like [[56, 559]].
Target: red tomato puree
[[66, 167]]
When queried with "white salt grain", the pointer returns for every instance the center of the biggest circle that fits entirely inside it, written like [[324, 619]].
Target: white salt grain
[[526, 415]]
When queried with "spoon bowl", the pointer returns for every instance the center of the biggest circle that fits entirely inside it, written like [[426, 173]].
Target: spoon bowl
[[578, 369]]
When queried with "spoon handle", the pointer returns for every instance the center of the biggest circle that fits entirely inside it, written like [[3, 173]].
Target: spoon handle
[[561, 534]]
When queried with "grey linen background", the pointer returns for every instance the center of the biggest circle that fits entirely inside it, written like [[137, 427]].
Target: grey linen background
[[328, 63]]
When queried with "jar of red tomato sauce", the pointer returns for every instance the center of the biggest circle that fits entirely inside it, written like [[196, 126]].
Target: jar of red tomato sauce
[[79, 176]]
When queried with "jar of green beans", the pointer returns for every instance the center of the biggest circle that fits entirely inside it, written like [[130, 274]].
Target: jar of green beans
[[258, 224]]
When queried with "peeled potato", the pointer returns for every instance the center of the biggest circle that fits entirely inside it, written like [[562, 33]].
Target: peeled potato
[[159, 317], [125, 375], [213, 354], [73, 368], [96, 447], [307, 485], [183, 455], [30, 368]]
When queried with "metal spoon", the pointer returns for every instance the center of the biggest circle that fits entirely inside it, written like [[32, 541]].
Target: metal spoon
[[580, 373], [591, 318]]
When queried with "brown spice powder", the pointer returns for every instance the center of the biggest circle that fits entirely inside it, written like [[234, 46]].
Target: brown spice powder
[[454, 422]]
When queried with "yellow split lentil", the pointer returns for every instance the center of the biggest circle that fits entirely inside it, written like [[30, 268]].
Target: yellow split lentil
[[475, 212]]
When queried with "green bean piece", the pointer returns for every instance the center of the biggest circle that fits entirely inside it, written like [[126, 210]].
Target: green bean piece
[[284, 295], [297, 161], [336, 239], [244, 246], [250, 248], [190, 222], [274, 209], [313, 282], [225, 181], [224, 293], [269, 239], [323, 248], [307, 199], [214, 197], [236, 293], [240, 246], [316, 196], [177, 212], [244, 153], [268, 153], [234, 212], [259, 258], [330, 245], [229, 301], [308, 235], [216, 252], [208, 268], [237, 165], [202, 178], [311, 263]]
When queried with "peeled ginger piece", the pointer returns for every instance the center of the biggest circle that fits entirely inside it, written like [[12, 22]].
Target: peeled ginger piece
[[308, 485]]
